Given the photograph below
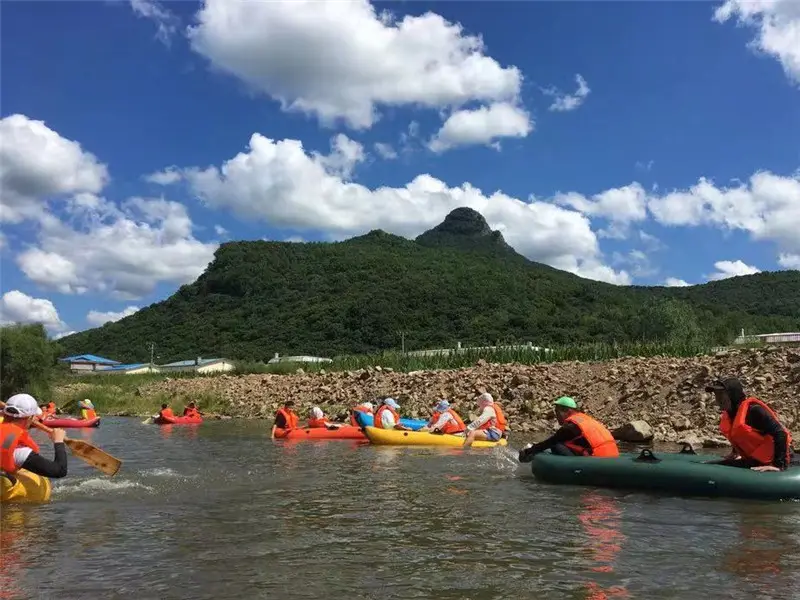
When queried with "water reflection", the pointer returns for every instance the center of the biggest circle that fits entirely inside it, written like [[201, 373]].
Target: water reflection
[[601, 519]]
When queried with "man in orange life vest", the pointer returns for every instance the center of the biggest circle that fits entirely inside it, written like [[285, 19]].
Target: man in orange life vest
[[285, 418], [579, 435], [17, 448], [760, 442], [388, 416], [191, 410], [445, 420]]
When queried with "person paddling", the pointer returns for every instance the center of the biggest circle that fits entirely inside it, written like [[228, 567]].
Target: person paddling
[[445, 420], [49, 410], [166, 412], [191, 410], [760, 442], [490, 425], [579, 435], [87, 409], [17, 448], [285, 418]]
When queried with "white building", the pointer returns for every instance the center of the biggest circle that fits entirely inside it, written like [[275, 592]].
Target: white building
[[133, 369], [88, 362], [298, 359], [768, 338], [199, 365]]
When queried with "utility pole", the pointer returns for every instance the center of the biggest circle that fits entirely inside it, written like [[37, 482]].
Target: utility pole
[[152, 351]]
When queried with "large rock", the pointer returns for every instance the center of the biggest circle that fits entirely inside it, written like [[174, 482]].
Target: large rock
[[635, 431]]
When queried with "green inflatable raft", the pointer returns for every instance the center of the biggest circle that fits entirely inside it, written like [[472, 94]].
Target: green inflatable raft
[[681, 474]]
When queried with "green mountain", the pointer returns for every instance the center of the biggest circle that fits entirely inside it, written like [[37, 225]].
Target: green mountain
[[460, 281]]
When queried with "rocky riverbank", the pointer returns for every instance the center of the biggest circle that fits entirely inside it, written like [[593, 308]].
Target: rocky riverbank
[[655, 398]]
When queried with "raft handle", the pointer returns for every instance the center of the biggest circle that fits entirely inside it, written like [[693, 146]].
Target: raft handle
[[687, 449], [647, 456]]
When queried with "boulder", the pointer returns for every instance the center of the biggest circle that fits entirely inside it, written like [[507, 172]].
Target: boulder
[[635, 431]]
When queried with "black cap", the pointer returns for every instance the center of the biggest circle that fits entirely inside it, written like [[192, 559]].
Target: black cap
[[289, 403], [722, 385]]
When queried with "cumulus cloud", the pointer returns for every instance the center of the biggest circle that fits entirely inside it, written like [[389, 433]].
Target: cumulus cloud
[[279, 182], [728, 268], [789, 261], [675, 282], [385, 151], [343, 60], [96, 318], [482, 126], [125, 251], [36, 163], [166, 22], [777, 23], [620, 206], [767, 207], [168, 176], [17, 307], [567, 102]]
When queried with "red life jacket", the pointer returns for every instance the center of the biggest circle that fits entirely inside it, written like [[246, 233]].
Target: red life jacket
[[360, 408], [12, 436], [499, 422], [291, 419], [600, 440], [317, 423], [379, 413], [167, 413], [747, 441], [449, 427]]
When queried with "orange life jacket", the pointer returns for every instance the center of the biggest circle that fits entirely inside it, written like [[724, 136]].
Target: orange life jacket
[[449, 427], [316, 423], [49, 410], [499, 422], [359, 408], [747, 441], [88, 413], [291, 420], [600, 440], [167, 413], [379, 413], [12, 436], [190, 412]]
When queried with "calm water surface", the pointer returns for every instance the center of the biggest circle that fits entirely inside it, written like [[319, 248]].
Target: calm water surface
[[220, 511]]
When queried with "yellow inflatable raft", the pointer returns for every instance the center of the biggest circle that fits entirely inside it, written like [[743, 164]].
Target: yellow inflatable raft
[[395, 437], [24, 486]]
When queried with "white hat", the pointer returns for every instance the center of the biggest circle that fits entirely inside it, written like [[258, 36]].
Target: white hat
[[485, 398], [368, 405], [22, 405], [317, 413]]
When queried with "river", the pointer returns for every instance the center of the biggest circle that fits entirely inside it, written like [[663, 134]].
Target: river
[[220, 511]]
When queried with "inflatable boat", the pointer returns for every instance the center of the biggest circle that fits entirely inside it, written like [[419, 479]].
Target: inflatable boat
[[368, 420], [683, 474]]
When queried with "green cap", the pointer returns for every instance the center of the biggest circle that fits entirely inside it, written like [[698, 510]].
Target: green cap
[[566, 401]]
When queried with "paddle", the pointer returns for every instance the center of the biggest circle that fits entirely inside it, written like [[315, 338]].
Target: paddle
[[90, 454], [149, 420]]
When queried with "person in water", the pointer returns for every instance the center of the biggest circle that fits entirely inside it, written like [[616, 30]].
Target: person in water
[[285, 418], [490, 425], [87, 409], [191, 410], [445, 420], [17, 448], [579, 435], [760, 442], [388, 417], [364, 407], [317, 419]]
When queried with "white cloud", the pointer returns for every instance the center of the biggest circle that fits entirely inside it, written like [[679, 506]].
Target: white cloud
[[62, 334], [620, 206], [36, 164], [567, 102], [166, 22], [17, 307], [728, 268], [651, 242], [96, 319], [767, 207], [482, 126], [675, 282], [343, 60], [168, 176], [220, 230], [125, 251], [778, 25], [278, 182], [789, 261], [385, 151], [645, 166]]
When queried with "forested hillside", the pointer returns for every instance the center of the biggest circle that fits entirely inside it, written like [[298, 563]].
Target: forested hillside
[[457, 282]]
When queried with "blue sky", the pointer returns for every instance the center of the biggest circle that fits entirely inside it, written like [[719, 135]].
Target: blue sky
[[645, 143]]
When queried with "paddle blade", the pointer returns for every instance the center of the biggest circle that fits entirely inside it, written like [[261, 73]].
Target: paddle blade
[[94, 456]]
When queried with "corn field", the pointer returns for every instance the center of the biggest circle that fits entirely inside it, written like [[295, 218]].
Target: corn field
[[455, 359]]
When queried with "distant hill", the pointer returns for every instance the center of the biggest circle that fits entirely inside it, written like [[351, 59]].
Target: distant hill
[[460, 281]]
